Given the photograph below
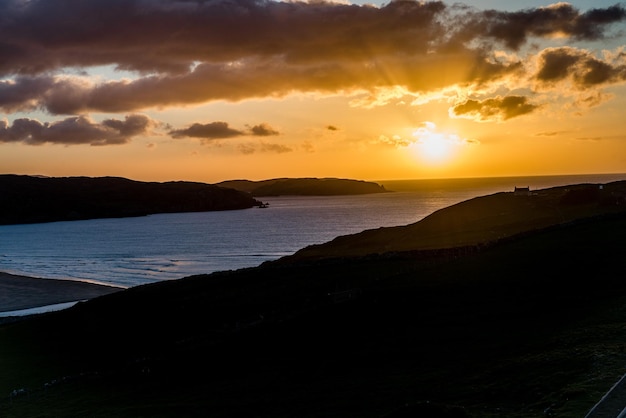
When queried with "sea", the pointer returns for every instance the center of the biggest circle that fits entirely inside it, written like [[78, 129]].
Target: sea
[[127, 252]]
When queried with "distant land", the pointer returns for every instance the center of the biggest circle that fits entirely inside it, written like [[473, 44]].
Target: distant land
[[304, 187], [29, 199], [528, 324]]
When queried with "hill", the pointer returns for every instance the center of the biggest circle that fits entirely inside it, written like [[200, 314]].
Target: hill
[[530, 326], [304, 187], [27, 199], [479, 221]]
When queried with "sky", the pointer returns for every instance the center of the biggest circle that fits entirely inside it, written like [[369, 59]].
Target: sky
[[212, 90]]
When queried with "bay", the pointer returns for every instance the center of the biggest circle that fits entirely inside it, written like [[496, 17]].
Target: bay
[[133, 251]]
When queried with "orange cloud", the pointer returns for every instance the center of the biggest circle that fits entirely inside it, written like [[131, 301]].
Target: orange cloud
[[264, 147]]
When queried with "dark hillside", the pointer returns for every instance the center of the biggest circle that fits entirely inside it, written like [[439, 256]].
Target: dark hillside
[[304, 187], [480, 220], [28, 199], [530, 327]]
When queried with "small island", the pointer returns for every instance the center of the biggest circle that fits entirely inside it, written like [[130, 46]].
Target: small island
[[304, 187]]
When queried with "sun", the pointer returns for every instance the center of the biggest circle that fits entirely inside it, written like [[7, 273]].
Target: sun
[[432, 146], [435, 148]]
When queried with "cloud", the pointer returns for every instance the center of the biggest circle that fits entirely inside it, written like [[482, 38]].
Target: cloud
[[221, 130], [251, 148], [594, 99], [250, 79], [23, 93], [166, 36], [551, 133], [494, 109], [276, 148], [195, 51], [394, 141], [76, 130], [560, 19], [263, 130], [580, 67], [213, 130]]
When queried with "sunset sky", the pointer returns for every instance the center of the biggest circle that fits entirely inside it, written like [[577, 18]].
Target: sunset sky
[[211, 90]]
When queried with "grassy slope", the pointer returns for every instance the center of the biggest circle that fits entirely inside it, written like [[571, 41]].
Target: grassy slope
[[526, 325]]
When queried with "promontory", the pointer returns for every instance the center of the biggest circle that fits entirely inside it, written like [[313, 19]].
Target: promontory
[[304, 187]]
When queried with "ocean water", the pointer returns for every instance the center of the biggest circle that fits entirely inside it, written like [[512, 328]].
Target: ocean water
[[132, 251]]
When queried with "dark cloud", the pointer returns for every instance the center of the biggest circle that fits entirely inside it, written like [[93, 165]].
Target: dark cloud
[[23, 93], [498, 108], [263, 130], [213, 130], [221, 130], [555, 65], [187, 52], [579, 66], [169, 35], [560, 19], [76, 130], [332, 128]]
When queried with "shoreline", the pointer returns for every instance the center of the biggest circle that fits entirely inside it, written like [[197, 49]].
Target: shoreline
[[38, 309], [22, 292]]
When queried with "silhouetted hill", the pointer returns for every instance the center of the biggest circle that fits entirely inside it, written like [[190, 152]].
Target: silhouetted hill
[[480, 220], [304, 187], [530, 326], [27, 199]]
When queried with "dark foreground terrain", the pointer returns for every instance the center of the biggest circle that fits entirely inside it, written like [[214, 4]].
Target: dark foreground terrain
[[528, 326], [27, 199]]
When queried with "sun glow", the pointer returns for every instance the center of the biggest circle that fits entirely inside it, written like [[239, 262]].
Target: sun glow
[[435, 147]]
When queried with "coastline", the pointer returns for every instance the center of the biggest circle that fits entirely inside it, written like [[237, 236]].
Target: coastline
[[22, 292], [38, 309]]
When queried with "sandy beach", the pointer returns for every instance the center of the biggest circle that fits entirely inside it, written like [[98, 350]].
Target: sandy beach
[[21, 292]]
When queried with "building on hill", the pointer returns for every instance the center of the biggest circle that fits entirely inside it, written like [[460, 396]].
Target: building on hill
[[521, 191]]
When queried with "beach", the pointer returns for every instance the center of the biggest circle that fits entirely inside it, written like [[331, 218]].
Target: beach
[[21, 292]]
